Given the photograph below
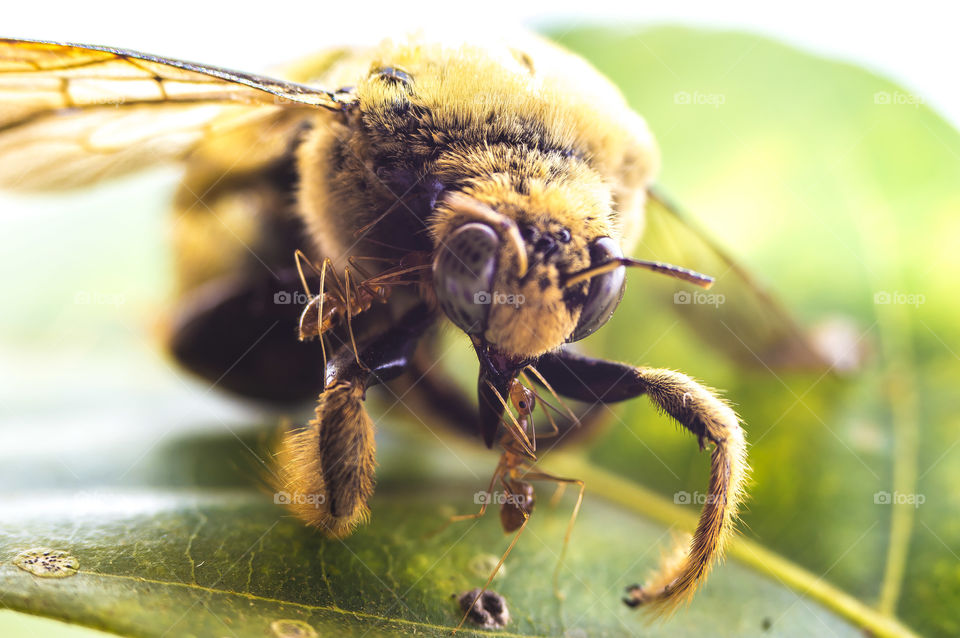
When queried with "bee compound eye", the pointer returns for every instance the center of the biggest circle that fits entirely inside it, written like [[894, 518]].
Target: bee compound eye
[[463, 273], [605, 291]]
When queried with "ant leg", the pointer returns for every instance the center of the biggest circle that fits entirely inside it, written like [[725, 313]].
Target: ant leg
[[558, 494], [546, 384], [496, 570], [554, 428], [362, 230], [352, 260], [311, 319], [340, 290], [561, 483], [353, 340], [706, 416], [497, 473], [391, 260], [576, 426], [369, 283], [514, 427], [327, 264], [388, 274], [298, 255]]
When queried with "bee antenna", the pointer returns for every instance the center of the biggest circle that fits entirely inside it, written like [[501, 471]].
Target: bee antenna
[[677, 272]]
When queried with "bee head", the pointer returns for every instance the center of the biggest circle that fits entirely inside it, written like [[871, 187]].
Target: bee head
[[501, 274]]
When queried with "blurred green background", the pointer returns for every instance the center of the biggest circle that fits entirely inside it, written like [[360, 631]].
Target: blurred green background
[[829, 192]]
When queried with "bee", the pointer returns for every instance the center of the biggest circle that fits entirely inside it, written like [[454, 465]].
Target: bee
[[495, 185]]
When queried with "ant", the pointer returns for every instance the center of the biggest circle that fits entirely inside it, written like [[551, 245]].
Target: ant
[[517, 466], [349, 298]]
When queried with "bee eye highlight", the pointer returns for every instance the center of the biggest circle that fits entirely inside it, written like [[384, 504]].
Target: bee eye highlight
[[463, 272], [605, 291]]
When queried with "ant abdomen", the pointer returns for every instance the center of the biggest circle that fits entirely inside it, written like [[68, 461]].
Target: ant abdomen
[[517, 506]]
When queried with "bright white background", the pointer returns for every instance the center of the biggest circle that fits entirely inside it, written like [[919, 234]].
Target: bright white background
[[915, 43]]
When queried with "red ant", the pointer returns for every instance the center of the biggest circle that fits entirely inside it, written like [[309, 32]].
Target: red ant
[[349, 298], [517, 466]]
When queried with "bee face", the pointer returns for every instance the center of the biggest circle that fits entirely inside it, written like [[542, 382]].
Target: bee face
[[500, 271]]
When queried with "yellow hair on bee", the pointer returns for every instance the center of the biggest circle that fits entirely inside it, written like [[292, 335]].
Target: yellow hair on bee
[[325, 475]]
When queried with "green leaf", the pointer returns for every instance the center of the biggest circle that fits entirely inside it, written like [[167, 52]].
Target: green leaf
[[189, 547], [155, 485]]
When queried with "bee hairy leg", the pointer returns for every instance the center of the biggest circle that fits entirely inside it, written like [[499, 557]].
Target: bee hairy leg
[[326, 469], [699, 410]]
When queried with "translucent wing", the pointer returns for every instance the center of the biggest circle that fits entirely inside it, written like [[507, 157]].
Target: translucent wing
[[737, 315], [71, 114]]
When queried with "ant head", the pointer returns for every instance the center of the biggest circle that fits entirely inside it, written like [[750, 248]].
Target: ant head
[[522, 398]]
